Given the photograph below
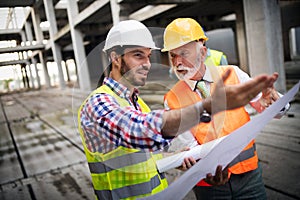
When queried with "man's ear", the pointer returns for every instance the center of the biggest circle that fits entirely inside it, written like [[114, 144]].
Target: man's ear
[[203, 52], [114, 57]]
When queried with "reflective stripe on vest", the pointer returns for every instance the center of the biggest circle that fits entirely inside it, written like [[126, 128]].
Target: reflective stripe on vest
[[244, 155], [123, 173], [119, 162], [131, 190], [206, 132]]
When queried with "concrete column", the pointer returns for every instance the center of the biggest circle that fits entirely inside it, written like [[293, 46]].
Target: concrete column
[[264, 39], [25, 56], [56, 50], [294, 43], [25, 76], [38, 80], [29, 39], [29, 34], [115, 11], [241, 42], [36, 20], [119, 12], [30, 74], [78, 46]]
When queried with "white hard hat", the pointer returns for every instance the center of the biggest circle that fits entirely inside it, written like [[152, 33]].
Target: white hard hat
[[129, 32]]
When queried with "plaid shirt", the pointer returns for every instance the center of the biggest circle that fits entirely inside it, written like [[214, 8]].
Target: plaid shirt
[[106, 125]]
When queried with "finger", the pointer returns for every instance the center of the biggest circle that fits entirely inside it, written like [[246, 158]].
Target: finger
[[188, 166], [275, 75], [192, 161], [275, 95], [257, 84], [226, 75], [209, 178], [218, 174], [272, 79], [253, 87], [183, 167], [187, 163], [218, 170], [267, 91], [220, 83]]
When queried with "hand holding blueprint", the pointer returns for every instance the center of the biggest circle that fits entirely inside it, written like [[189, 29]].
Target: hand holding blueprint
[[197, 152]]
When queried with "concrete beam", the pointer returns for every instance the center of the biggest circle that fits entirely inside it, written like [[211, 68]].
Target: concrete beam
[[86, 13], [22, 48], [27, 15], [34, 53], [150, 11], [17, 3], [153, 2], [9, 31], [13, 62], [89, 11], [63, 31]]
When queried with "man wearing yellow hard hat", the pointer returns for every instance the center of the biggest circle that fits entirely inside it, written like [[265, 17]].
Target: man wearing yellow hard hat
[[184, 39]]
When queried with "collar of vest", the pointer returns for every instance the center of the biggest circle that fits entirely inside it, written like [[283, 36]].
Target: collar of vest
[[119, 88]]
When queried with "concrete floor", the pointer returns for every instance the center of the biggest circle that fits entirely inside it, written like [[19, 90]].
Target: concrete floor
[[42, 157]]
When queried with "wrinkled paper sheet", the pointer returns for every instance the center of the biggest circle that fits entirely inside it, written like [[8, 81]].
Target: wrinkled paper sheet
[[197, 152], [225, 151]]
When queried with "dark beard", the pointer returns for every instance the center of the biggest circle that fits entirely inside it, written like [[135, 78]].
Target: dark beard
[[124, 68], [125, 72], [129, 76]]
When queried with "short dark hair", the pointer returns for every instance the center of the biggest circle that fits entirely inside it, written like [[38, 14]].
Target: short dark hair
[[119, 49]]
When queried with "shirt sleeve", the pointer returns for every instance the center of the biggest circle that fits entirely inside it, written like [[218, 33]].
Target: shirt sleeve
[[123, 126]]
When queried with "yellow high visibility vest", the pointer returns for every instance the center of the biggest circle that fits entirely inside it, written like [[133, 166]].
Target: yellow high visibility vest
[[214, 59], [123, 173]]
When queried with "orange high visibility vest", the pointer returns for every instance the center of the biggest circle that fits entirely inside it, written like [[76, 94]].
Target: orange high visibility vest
[[223, 123]]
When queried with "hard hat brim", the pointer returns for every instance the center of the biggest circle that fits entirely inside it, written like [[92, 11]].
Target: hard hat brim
[[182, 44]]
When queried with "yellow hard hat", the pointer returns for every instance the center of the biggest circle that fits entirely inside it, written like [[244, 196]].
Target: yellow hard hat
[[182, 31]]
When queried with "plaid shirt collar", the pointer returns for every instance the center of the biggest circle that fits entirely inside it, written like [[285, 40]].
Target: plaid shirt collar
[[118, 88]]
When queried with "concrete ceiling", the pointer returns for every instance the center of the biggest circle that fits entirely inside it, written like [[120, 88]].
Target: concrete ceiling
[[17, 3], [95, 27]]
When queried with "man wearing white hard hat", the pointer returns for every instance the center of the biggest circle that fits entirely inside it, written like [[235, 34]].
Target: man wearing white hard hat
[[121, 135]]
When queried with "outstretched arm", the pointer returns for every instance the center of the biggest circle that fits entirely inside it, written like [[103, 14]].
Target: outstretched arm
[[180, 120]]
